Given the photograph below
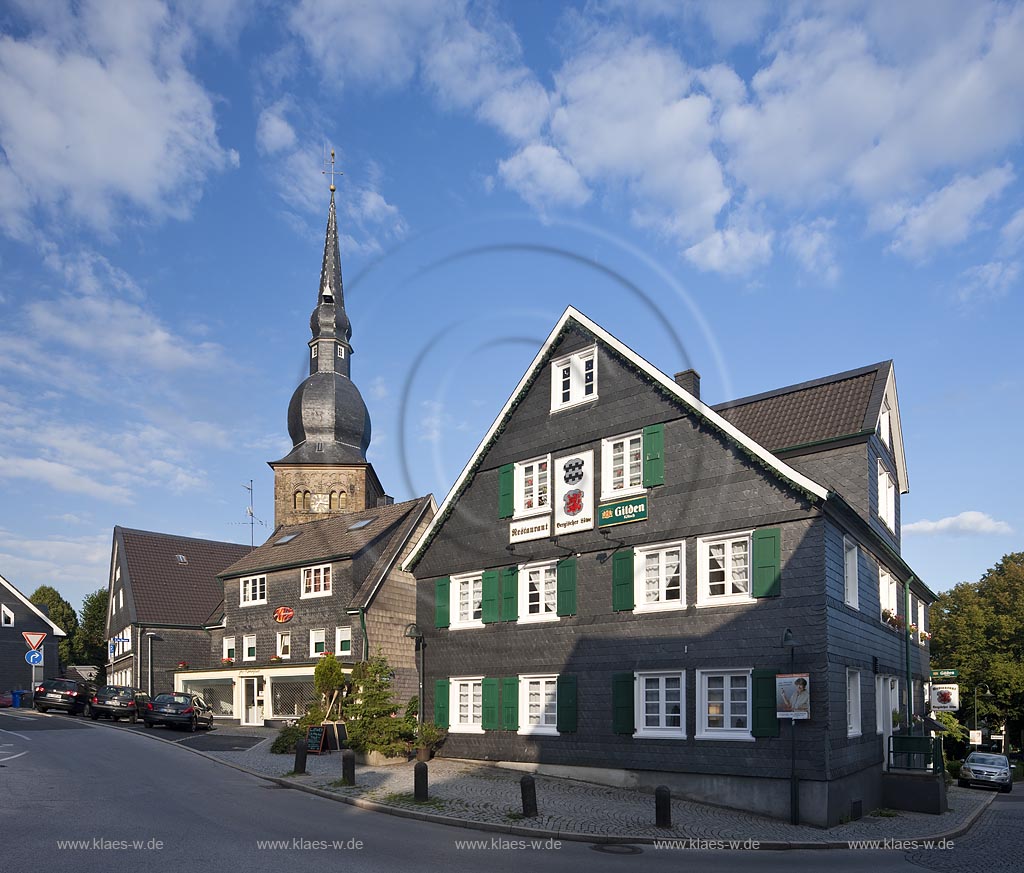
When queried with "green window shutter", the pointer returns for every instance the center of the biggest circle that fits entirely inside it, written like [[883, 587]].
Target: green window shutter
[[654, 455], [510, 703], [623, 710], [441, 690], [565, 717], [489, 596], [489, 720], [622, 580], [566, 587], [767, 576], [441, 598], [506, 488], [763, 723], [509, 594]]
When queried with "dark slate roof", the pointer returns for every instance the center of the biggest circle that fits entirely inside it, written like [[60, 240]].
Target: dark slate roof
[[325, 539], [401, 537], [167, 591], [843, 405]]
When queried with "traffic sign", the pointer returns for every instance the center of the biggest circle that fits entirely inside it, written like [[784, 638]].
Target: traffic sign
[[34, 657], [945, 674], [33, 639], [120, 640]]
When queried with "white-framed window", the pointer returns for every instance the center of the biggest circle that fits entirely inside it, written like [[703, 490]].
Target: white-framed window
[[253, 591], [852, 703], [317, 642], [466, 599], [538, 704], [659, 577], [124, 642], [341, 352], [886, 497], [660, 705], [284, 644], [851, 573], [229, 648], [723, 705], [249, 647], [922, 618], [888, 592], [532, 483], [723, 569], [316, 581], [622, 466], [6, 617], [464, 705], [887, 699], [538, 592], [343, 641], [314, 350], [574, 379], [120, 599], [884, 429]]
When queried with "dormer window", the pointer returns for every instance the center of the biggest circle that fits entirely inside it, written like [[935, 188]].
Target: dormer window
[[574, 379], [6, 617]]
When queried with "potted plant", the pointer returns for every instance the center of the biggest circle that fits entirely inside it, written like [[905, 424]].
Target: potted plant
[[897, 720], [182, 665], [429, 738], [227, 662], [276, 659]]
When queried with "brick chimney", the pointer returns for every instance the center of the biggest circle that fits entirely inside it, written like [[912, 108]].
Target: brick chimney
[[689, 380]]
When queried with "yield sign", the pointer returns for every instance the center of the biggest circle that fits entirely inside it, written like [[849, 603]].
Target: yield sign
[[34, 640]]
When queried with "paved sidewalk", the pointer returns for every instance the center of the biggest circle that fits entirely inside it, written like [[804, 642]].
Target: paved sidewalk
[[488, 797]]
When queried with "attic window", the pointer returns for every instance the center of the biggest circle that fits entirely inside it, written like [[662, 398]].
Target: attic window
[[287, 538], [181, 559], [319, 447], [362, 523]]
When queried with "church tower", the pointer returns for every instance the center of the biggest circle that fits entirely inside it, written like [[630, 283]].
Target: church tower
[[326, 472]]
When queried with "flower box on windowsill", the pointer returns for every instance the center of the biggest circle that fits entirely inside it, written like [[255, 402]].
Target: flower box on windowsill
[[276, 659], [892, 619], [227, 662], [182, 665]]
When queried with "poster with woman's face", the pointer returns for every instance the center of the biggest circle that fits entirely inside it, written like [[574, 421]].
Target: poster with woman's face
[[793, 695]]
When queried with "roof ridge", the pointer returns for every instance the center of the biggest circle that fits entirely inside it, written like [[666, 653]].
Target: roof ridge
[[802, 386], [170, 536]]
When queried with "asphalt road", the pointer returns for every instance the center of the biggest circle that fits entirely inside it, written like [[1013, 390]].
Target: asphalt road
[[131, 801]]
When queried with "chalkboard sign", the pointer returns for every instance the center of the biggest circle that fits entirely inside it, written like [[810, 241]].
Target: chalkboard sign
[[315, 739]]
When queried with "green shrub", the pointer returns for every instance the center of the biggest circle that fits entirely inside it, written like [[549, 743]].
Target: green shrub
[[371, 714], [953, 768], [287, 737]]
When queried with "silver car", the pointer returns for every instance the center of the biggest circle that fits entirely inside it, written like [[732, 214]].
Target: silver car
[[982, 768]]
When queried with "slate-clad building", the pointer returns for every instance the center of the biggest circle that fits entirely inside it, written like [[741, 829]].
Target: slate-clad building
[[18, 615], [621, 571]]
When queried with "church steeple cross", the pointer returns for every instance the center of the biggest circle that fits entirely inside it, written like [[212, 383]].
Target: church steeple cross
[[332, 170]]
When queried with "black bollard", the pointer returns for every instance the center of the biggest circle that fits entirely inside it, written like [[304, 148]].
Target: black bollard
[[300, 756], [662, 807], [348, 766], [529, 791], [420, 781]]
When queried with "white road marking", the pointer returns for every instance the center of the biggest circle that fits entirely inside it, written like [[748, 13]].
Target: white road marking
[[16, 734], [13, 757]]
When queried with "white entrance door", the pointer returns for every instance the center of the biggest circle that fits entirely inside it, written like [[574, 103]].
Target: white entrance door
[[886, 700], [252, 700]]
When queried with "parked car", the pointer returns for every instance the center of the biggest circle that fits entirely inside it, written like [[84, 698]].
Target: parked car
[[69, 695], [117, 702], [6, 699], [984, 768], [179, 709]]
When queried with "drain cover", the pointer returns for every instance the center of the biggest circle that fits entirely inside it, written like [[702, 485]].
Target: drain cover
[[616, 849]]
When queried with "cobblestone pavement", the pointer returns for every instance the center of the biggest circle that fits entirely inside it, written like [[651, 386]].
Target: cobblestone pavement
[[480, 793], [994, 844]]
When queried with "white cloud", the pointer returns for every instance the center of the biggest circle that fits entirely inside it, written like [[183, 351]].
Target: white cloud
[[1012, 234], [987, 281], [813, 246], [273, 132], [543, 177], [970, 522], [431, 421], [733, 250], [948, 216], [99, 112], [61, 477], [74, 565]]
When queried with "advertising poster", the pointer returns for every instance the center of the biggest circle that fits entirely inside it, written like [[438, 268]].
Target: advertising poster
[[793, 695]]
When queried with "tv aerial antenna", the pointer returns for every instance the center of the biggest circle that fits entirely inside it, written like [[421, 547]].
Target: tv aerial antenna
[[253, 520]]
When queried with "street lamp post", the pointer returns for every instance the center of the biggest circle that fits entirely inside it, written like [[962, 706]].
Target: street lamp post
[[412, 631], [988, 695], [789, 642], [150, 637]]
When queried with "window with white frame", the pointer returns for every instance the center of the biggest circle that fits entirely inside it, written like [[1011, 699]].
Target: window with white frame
[[659, 577], [229, 648], [317, 642], [316, 581], [343, 641], [885, 424], [6, 616], [538, 704], [622, 466], [538, 592], [532, 483], [284, 644], [253, 591], [922, 617], [888, 593], [122, 642], [467, 595], [120, 599], [852, 703], [851, 573], [723, 704], [659, 706], [886, 497], [249, 647], [574, 379], [723, 569], [464, 705]]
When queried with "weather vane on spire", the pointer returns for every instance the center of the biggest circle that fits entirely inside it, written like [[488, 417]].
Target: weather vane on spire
[[332, 171]]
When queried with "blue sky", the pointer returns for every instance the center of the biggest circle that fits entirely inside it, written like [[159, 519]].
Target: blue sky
[[767, 192]]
